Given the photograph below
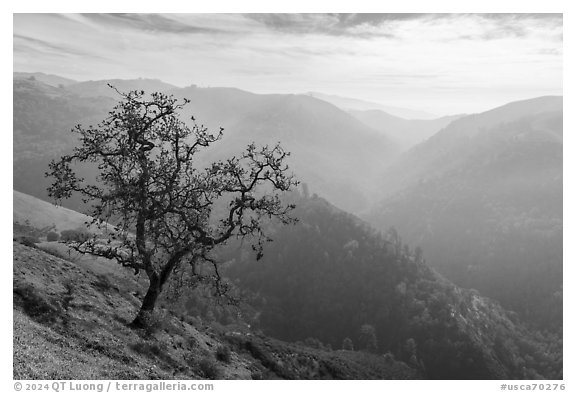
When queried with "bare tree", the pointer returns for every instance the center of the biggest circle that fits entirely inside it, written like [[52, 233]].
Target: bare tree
[[165, 210]]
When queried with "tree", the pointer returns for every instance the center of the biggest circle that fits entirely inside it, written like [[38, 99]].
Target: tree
[[368, 340], [168, 214], [347, 344], [418, 254], [75, 235], [52, 237]]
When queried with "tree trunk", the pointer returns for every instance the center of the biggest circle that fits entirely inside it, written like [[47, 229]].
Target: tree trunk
[[144, 316]]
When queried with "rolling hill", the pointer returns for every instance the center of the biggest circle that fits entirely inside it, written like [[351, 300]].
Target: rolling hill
[[70, 322], [100, 88], [42, 119], [483, 198], [328, 279], [71, 314], [332, 278], [41, 214], [49, 79], [353, 104], [334, 153], [406, 133]]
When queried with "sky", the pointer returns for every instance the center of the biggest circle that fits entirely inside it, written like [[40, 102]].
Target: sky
[[439, 63]]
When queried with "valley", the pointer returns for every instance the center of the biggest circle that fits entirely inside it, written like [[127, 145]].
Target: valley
[[426, 248]]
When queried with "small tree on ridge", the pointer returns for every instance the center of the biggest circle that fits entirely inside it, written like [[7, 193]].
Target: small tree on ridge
[[162, 206]]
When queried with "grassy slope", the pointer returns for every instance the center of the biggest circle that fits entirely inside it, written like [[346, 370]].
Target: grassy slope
[[71, 312], [70, 322], [42, 214]]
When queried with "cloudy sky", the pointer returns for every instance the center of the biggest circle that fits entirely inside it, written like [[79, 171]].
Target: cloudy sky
[[439, 63]]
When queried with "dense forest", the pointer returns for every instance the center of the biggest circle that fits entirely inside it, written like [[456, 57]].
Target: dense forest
[[483, 198], [334, 279]]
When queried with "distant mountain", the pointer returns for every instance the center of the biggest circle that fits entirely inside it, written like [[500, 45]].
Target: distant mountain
[[337, 155], [483, 198], [406, 133], [353, 104], [100, 88], [332, 277], [334, 153], [42, 119], [51, 80]]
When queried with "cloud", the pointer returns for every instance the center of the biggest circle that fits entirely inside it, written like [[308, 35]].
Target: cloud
[[487, 26], [555, 18], [503, 26], [412, 58], [29, 44], [325, 24], [550, 52], [153, 23]]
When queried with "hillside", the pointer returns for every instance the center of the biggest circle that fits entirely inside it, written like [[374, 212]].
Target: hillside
[[49, 79], [483, 198], [334, 153], [319, 283], [333, 278], [406, 133], [42, 119], [71, 314], [41, 214], [70, 322], [353, 104], [100, 88]]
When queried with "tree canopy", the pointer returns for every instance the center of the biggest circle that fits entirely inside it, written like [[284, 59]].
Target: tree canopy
[[166, 211]]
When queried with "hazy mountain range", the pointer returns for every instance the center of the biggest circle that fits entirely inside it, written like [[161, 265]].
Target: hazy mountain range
[[406, 133], [476, 197], [336, 154], [353, 104], [483, 198]]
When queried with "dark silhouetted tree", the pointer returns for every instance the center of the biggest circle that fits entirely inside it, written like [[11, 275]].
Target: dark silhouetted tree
[[167, 213]]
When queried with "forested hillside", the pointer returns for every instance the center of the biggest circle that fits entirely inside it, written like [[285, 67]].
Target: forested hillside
[[43, 117], [480, 202], [406, 133], [333, 278], [336, 154], [330, 283], [483, 198]]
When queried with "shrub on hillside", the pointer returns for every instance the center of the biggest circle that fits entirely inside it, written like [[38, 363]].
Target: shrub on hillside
[[347, 344], [34, 305], [29, 241], [224, 354], [74, 235], [210, 368], [52, 237]]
